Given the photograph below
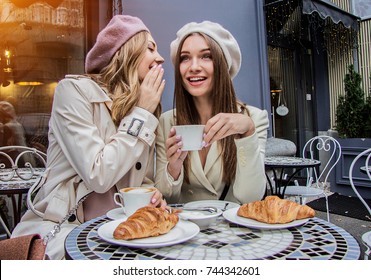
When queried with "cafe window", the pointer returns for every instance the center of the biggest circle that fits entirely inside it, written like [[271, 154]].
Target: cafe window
[[41, 42]]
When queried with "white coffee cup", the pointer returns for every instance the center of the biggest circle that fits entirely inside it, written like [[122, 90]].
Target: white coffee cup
[[133, 198], [192, 136]]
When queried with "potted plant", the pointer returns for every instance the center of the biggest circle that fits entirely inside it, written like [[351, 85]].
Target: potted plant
[[353, 125], [352, 113]]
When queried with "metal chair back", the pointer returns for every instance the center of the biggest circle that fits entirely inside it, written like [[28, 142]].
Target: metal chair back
[[363, 162], [327, 150], [20, 169]]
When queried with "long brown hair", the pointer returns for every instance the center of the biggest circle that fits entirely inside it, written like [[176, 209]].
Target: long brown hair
[[120, 78], [224, 101]]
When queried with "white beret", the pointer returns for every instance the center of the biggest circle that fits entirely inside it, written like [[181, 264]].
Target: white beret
[[219, 34]]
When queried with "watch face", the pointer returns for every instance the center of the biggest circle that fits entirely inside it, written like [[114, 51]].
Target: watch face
[[282, 110]]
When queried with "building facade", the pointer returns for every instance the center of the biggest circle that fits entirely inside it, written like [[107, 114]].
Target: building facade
[[295, 53]]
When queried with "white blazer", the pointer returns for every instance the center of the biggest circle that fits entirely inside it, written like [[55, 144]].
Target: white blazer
[[207, 183]]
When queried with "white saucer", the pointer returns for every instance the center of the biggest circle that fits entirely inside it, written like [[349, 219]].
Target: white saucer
[[116, 214]]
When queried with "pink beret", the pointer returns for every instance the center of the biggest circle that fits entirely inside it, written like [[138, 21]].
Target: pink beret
[[118, 31]]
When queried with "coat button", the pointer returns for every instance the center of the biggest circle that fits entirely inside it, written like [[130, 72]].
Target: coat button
[[138, 165], [72, 218]]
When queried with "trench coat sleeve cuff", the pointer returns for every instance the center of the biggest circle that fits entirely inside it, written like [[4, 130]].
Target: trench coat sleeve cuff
[[246, 147], [175, 184], [141, 124]]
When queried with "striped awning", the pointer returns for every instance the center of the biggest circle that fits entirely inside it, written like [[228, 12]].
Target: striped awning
[[328, 10]]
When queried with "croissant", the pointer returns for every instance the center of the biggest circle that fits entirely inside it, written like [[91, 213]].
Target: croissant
[[274, 210], [146, 222]]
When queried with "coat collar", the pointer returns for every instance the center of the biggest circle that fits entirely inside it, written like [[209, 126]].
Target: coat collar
[[97, 94], [202, 176]]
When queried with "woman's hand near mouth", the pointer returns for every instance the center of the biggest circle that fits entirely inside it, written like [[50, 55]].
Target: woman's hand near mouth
[[152, 88]]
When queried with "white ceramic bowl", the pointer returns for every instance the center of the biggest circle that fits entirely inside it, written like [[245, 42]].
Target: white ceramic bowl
[[205, 219], [201, 218], [220, 204]]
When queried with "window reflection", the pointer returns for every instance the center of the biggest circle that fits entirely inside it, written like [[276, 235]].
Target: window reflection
[[41, 41]]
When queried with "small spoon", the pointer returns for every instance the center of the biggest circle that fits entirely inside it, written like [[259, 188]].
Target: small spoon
[[209, 209], [225, 206]]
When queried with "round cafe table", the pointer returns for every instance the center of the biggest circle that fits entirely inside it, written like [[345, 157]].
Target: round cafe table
[[278, 165], [15, 187], [317, 239]]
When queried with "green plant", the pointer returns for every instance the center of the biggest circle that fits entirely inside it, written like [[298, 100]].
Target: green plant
[[352, 112]]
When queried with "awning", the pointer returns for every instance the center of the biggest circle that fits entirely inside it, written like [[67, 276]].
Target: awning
[[329, 10]]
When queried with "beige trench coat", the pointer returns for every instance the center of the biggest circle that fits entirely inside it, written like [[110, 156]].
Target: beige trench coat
[[207, 183], [88, 154]]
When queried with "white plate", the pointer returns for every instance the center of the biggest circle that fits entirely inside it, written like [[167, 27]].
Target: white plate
[[182, 232], [116, 214], [220, 204], [231, 216]]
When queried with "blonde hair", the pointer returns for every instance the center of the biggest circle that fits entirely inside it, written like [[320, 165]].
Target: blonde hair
[[120, 78], [224, 101]]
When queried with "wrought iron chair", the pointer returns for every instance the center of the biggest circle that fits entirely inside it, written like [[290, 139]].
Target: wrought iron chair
[[364, 157], [20, 168], [327, 150]]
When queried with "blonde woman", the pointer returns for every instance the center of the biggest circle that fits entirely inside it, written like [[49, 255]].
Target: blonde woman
[[102, 132], [230, 166]]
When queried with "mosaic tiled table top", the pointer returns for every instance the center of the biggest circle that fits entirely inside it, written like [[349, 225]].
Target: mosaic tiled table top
[[278, 161], [317, 239]]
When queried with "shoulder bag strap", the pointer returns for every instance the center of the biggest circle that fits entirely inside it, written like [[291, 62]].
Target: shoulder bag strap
[[57, 227], [224, 193]]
